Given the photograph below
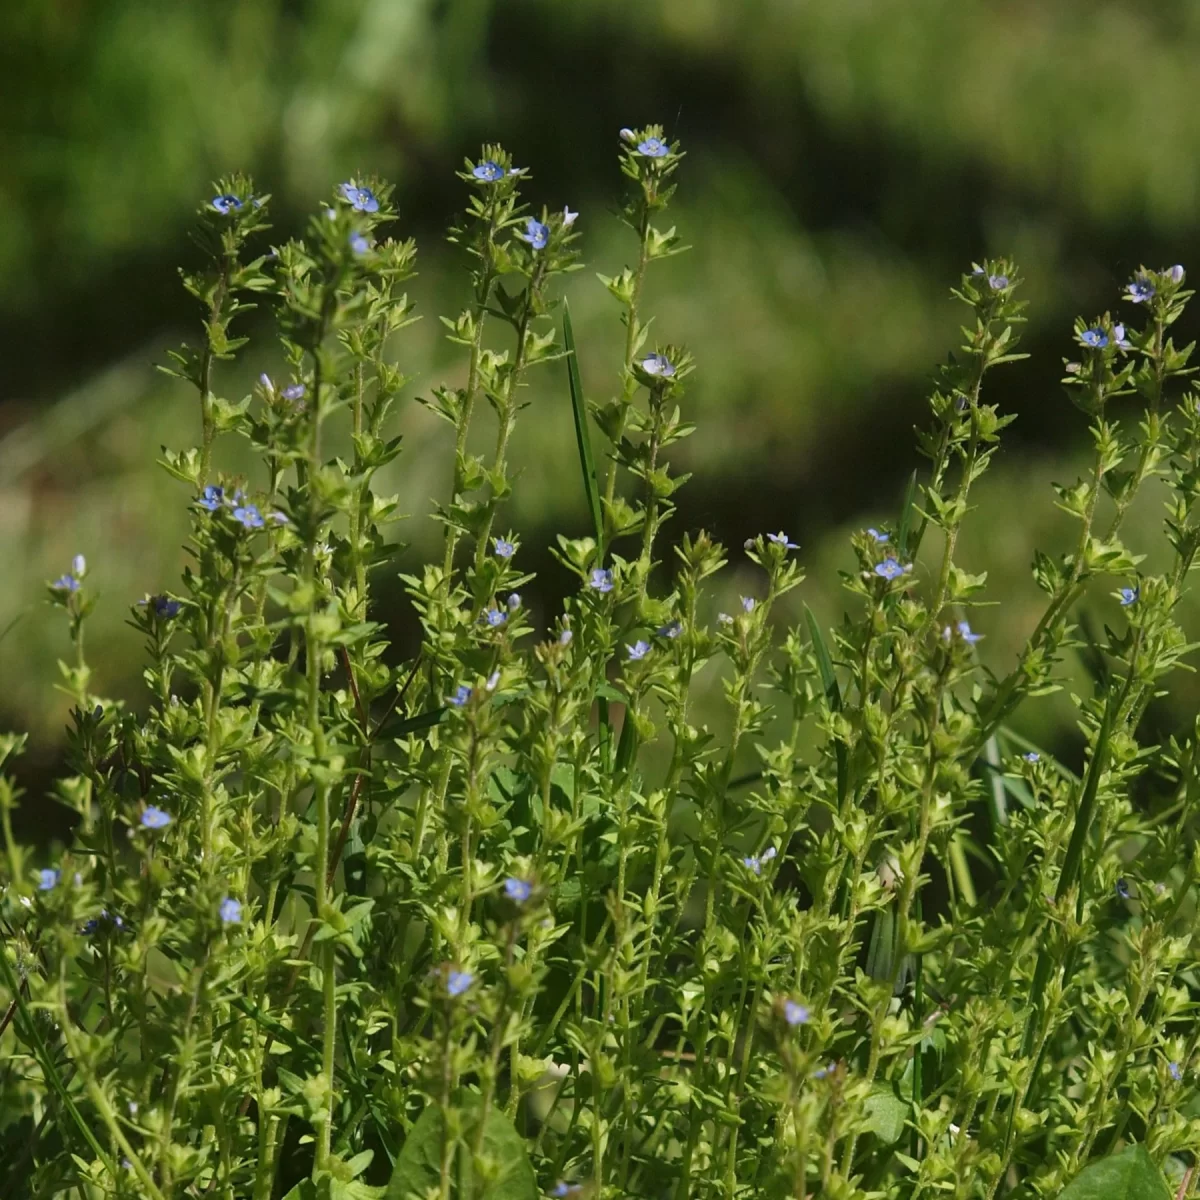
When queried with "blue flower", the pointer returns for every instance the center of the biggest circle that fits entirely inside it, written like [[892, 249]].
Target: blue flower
[[568, 217], [1130, 595], [514, 600], [638, 650], [495, 617], [601, 580], [165, 608], [564, 638], [504, 548], [781, 539], [249, 516], [671, 630], [1096, 338], [294, 392], [890, 569], [361, 199], [212, 497], [462, 694], [1176, 1073], [488, 171], [359, 243], [1140, 290], [748, 603], [878, 536], [658, 364], [562, 1189], [536, 234], [654, 147], [518, 889], [1123, 889], [964, 632], [267, 385], [227, 203], [230, 911], [755, 863], [1031, 756], [1120, 339], [66, 583], [48, 879], [795, 1014], [155, 818], [457, 982], [997, 282], [823, 1072]]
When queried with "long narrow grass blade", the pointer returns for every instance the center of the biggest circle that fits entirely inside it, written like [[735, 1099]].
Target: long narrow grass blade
[[833, 695], [907, 509], [587, 463], [999, 799]]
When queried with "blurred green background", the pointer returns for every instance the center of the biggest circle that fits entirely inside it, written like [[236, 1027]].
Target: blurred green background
[[846, 161]]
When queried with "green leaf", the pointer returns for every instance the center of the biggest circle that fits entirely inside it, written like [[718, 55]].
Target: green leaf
[[906, 513], [419, 1166], [587, 463], [1130, 1175], [886, 1114], [832, 694]]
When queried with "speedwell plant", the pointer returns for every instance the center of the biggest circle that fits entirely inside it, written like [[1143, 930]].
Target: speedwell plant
[[501, 919]]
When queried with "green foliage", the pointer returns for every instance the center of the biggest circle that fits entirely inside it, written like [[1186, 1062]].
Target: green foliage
[[502, 913]]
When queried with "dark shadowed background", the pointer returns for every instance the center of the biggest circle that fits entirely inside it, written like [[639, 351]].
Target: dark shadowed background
[[846, 161]]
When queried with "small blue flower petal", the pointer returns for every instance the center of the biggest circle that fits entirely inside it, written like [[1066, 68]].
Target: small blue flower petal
[[154, 818], [488, 171], [518, 890], [638, 650], [227, 203], [654, 147], [601, 580], [462, 694], [230, 911], [795, 1014], [361, 199], [457, 982], [536, 234], [48, 879]]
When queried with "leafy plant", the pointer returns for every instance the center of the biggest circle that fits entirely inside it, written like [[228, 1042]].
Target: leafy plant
[[502, 917]]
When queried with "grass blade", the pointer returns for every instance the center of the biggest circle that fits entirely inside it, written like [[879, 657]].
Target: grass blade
[[587, 463], [907, 508], [833, 695]]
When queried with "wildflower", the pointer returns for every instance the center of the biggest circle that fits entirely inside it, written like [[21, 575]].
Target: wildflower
[[294, 392], [654, 147], [361, 199], [1176, 1073], [79, 566], [231, 911], [823, 1072], [781, 539], [878, 536], [462, 694], [211, 498], [561, 1189], [492, 681], [488, 171], [638, 650], [155, 818], [514, 600], [671, 630], [1031, 756], [504, 548], [658, 364], [249, 516], [359, 243], [997, 282], [1140, 290], [568, 217], [1123, 889], [795, 1014], [724, 619], [1096, 338], [1130, 595], [518, 890], [267, 385], [601, 580], [48, 879], [626, 135], [536, 234], [564, 638], [964, 632], [457, 982], [495, 617], [890, 569], [165, 608], [1176, 273], [748, 603], [1122, 342], [227, 203], [755, 863], [66, 583], [279, 518]]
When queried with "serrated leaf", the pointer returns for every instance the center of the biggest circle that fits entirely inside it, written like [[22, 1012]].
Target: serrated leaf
[[1129, 1175]]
